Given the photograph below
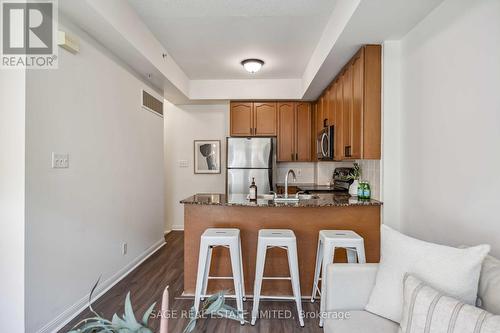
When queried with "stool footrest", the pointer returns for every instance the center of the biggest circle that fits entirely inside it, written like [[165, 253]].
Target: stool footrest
[[277, 297], [277, 278], [220, 277], [225, 296]]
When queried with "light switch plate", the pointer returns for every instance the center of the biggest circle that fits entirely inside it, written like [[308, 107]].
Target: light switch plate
[[60, 161], [183, 163]]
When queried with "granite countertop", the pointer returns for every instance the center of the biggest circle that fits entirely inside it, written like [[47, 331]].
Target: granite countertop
[[320, 200]]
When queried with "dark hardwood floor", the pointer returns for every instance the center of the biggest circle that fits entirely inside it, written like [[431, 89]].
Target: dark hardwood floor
[[147, 282]]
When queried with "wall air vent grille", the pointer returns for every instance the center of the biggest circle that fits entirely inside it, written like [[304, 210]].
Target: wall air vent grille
[[151, 103]]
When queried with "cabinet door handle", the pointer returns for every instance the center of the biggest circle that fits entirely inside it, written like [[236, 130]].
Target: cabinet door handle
[[292, 157], [251, 130], [296, 156], [255, 130]]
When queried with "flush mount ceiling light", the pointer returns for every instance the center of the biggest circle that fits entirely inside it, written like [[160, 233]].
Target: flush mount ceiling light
[[252, 65]]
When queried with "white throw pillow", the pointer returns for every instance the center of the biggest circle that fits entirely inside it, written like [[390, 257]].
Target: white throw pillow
[[427, 310], [451, 270]]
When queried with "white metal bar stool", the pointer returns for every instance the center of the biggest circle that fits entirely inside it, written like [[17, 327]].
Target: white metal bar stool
[[229, 238], [328, 241], [284, 239]]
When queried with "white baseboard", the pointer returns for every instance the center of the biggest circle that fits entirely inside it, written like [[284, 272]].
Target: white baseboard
[[178, 227], [69, 314]]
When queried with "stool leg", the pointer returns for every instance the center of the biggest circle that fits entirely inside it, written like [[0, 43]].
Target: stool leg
[[207, 272], [317, 269], [202, 261], [236, 268], [351, 255], [328, 257], [259, 273], [360, 249], [242, 275], [293, 264]]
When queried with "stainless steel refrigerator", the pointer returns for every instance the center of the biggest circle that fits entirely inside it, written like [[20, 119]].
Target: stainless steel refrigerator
[[249, 158]]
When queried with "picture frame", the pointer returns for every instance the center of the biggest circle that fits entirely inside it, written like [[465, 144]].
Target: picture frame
[[207, 156]]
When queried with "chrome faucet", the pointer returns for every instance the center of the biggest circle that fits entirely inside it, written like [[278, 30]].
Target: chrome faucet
[[286, 181]]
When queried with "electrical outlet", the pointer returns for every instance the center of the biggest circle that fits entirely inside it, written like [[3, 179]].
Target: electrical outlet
[[124, 248], [60, 161]]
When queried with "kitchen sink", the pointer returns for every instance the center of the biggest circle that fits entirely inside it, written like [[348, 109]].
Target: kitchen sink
[[294, 198], [279, 198]]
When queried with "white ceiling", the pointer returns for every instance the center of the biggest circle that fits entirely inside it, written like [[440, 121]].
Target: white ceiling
[[209, 38]]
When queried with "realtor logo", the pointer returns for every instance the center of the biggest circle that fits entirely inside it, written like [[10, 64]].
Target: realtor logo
[[29, 34]]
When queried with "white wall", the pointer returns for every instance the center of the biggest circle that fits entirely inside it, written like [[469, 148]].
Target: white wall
[[78, 218], [183, 124], [391, 134], [12, 199], [450, 134]]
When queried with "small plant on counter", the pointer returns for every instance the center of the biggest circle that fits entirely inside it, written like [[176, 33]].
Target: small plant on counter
[[127, 324], [355, 174]]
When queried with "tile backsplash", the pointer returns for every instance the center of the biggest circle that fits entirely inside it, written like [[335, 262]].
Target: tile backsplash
[[321, 172], [305, 172], [371, 173]]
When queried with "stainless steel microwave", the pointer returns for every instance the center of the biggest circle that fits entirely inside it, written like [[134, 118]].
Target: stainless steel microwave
[[325, 143]]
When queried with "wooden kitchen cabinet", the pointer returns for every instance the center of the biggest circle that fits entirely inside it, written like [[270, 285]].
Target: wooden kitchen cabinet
[[357, 108], [303, 116], [294, 131], [286, 131], [354, 106], [253, 119], [346, 123], [338, 93], [241, 118], [265, 118]]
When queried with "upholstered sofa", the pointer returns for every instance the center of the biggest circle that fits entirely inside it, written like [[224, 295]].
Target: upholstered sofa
[[349, 286]]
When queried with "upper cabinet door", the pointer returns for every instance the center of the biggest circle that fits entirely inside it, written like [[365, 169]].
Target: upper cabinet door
[[264, 119], [372, 115], [357, 106], [319, 115], [347, 112], [286, 132], [337, 99], [303, 130], [241, 119], [330, 105]]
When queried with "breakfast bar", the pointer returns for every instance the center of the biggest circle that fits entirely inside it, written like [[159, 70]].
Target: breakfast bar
[[330, 211]]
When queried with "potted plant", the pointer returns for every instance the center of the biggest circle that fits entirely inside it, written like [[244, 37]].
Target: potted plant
[[212, 306], [355, 175]]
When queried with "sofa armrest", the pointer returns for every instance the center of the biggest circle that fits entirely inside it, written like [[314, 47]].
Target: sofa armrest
[[348, 286]]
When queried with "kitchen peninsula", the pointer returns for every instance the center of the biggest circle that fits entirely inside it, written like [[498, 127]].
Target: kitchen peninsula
[[306, 218]]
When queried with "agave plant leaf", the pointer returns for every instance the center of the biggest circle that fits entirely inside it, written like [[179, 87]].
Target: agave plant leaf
[[232, 313], [190, 326], [144, 330], [216, 305], [129, 316], [90, 296], [91, 320], [147, 314], [91, 327], [118, 322]]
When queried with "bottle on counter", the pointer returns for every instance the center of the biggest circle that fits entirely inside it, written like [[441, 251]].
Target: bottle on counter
[[253, 191], [367, 192], [360, 189]]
